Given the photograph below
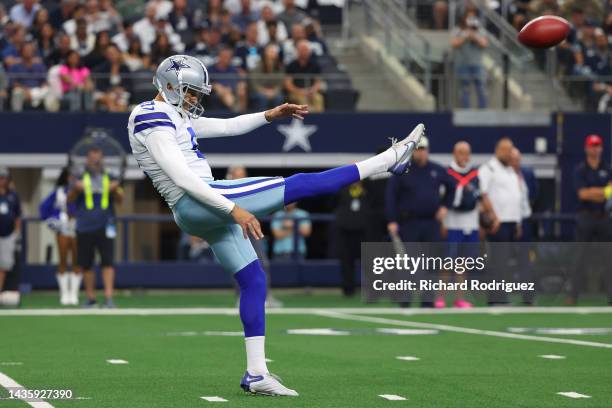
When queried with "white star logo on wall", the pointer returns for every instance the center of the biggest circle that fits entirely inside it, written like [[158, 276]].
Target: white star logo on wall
[[297, 134]]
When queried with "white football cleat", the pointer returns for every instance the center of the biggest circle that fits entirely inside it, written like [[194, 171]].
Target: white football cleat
[[267, 384], [405, 148]]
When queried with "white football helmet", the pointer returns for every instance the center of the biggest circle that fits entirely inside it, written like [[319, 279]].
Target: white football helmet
[[185, 74]]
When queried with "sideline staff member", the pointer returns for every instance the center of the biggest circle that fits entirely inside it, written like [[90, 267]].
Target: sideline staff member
[[592, 180], [10, 224], [94, 195]]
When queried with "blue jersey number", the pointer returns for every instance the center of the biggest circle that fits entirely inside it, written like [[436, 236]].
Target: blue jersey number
[[148, 105], [194, 143]]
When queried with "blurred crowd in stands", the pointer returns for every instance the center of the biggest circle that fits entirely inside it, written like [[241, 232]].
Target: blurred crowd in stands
[[583, 59], [75, 55]]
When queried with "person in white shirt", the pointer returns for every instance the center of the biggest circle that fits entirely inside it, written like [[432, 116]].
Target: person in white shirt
[[23, 13], [501, 185]]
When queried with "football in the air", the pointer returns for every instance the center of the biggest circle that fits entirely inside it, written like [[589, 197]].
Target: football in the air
[[544, 32]]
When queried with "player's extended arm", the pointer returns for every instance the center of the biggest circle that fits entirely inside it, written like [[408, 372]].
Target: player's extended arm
[[213, 127], [166, 153]]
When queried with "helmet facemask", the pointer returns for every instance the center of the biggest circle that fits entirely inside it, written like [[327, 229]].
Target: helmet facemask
[[190, 105]]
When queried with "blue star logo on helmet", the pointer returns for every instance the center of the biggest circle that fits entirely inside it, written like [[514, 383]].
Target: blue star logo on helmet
[[177, 65]]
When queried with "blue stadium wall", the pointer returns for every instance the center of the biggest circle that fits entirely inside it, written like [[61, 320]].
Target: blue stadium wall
[[359, 133]]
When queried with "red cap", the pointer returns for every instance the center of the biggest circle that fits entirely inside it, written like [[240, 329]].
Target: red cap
[[593, 140]]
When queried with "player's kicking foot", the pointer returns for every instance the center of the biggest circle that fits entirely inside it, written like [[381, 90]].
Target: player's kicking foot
[[267, 384], [404, 150]]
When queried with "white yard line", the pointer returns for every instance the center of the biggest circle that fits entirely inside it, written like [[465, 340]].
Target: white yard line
[[458, 329], [8, 383], [230, 311], [214, 399], [392, 397], [117, 361], [573, 394]]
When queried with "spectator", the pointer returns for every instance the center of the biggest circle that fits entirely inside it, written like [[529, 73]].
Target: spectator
[[10, 225], [79, 13], [59, 216], [213, 12], [161, 49], [125, 36], [82, 40], [97, 55], [283, 226], [95, 194], [298, 33], [11, 51], [352, 210], [23, 13], [46, 41], [77, 86], [248, 50], [113, 81], [59, 54], [469, 42], [302, 82], [102, 16], [593, 184], [230, 33], [134, 58], [246, 16], [163, 26], [499, 183], [29, 82], [291, 15], [314, 34], [145, 28], [268, 18], [63, 13], [266, 81], [229, 89], [40, 19], [181, 19]]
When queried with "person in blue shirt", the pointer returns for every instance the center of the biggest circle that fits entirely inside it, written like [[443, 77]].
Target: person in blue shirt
[[283, 227], [95, 194], [10, 225], [414, 206], [28, 79], [229, 88]]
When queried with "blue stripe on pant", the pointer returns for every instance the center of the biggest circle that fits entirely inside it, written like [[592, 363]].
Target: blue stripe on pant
[[225, 237]]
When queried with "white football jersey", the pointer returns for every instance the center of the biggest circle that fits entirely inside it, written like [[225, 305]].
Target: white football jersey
[[156, 115]]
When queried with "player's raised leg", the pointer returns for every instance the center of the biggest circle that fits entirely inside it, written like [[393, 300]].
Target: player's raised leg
[[396, 159]]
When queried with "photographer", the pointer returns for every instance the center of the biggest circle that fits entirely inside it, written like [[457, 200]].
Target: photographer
[[468, 43]]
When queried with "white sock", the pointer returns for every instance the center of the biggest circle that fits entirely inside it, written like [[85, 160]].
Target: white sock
[[377, 164], [256, 355], [75, 285], [62, 282]]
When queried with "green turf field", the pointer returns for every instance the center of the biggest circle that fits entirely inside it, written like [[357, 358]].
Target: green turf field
[[488, 359]]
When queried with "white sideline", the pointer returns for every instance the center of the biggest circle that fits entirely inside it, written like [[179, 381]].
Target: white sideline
[[7, 382], [458, 329], [230, 311]]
